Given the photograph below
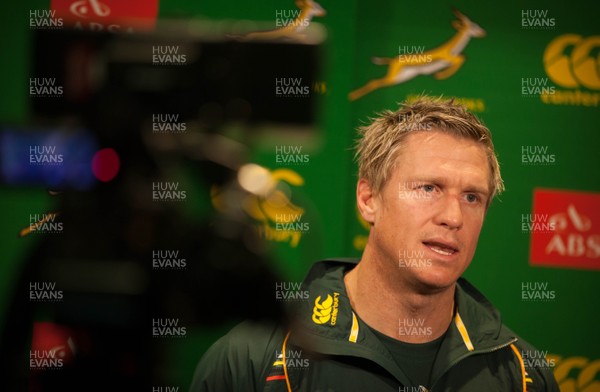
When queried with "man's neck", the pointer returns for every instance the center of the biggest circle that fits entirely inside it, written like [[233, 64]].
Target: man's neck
[[396, 309]]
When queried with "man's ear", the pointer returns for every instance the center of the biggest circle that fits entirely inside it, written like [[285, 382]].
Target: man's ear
[[366, 201]]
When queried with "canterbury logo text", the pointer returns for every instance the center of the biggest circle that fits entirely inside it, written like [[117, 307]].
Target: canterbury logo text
[[326, 310]]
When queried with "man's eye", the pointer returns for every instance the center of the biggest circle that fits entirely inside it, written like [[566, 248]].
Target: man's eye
[[471, 198], [427, 188]]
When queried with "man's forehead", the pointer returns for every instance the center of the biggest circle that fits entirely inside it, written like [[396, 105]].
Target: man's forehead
[[449, 152], [435, 142]]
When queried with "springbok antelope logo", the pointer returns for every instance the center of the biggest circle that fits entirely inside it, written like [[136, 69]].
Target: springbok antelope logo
[[293, 29], [442, 61]]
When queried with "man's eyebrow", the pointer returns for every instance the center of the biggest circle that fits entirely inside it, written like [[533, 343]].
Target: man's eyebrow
[[442, 180], [479, 190]]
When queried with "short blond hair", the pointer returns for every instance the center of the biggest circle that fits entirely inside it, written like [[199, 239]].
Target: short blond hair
[[378, 145]]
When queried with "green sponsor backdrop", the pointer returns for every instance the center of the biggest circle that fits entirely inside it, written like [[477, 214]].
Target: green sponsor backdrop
[[490, 81]]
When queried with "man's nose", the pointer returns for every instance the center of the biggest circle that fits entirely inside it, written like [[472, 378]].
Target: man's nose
[[449, 212]]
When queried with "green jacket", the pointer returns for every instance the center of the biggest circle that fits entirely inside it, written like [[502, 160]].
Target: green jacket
[[330, 349]]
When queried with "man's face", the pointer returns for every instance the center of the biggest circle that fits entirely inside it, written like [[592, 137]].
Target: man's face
[[427, 218]]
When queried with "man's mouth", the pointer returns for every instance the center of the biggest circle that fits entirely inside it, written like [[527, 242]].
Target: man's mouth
[[441, 248]]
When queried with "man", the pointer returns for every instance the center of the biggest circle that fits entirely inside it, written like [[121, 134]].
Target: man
[[402, 319]]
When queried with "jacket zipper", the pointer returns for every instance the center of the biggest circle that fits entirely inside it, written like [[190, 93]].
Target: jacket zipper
[[487, 351]]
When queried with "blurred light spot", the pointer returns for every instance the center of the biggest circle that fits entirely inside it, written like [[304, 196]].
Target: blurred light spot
[[106, 164], [255, 179]]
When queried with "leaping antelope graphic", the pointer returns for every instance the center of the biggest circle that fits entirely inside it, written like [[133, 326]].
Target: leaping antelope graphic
[[442, 61], [295, 28]]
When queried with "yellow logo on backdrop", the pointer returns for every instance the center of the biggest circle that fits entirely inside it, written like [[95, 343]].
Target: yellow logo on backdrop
[[473, 104], [326, 310], [412, 61], [576, 374], [570, 63], [291, 24], [278, 218]]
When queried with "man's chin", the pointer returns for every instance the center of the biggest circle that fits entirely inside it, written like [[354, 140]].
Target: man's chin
[[430, 282]]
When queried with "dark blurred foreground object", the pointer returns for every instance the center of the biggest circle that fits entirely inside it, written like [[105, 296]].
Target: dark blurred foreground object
[[91, 293]]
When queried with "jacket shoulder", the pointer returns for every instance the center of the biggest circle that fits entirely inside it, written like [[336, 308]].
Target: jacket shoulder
[[240, 360]]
